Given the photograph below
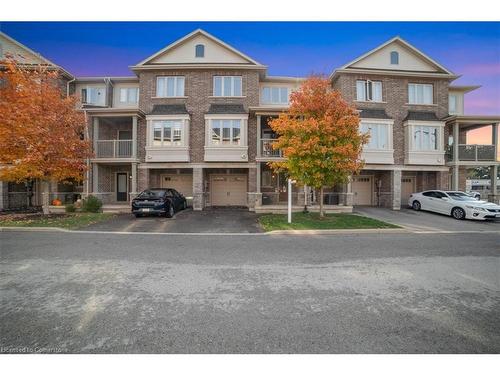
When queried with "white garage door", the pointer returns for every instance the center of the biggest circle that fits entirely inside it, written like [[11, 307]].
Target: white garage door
[[183, 183], [228, 190], [407, 188], [362, 189]]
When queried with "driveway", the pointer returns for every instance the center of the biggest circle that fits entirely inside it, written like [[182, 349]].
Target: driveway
[[426, 221], [140, 293], [216, 220]]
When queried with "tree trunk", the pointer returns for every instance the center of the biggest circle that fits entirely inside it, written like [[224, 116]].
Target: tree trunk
[[29, 192], [321, 213]]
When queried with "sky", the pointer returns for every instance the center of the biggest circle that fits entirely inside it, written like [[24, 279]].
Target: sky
[[469, 49]]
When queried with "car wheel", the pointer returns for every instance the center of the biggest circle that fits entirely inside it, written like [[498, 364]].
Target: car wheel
[[416, 205], [458, 213], [170, 212]]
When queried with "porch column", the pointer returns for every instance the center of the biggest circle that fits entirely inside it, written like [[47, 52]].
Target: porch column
[[95, 178], [133, 183], [198, 201], [456, 135], [134, 139], [494, 196], [494, 136], [456, 172], [259, 143], [3, 195], [95, 133], [258, 194], [396, 189]]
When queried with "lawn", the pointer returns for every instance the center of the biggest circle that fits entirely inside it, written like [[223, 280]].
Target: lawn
[[66, 221], [312, 220]]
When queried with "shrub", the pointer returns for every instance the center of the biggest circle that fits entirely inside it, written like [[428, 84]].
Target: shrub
[[70, 207], [91, 204]]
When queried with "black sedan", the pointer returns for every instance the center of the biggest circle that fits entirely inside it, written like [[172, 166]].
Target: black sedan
[[158, 202]]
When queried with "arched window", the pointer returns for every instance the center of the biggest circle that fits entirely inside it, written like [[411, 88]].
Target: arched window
[[394, 58], [199, 50]]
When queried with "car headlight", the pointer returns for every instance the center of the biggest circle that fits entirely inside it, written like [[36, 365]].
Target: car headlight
[[477, 208]]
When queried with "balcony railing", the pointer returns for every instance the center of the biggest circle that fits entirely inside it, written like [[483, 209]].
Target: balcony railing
[[114, 149], [267, 151], [473, 153]]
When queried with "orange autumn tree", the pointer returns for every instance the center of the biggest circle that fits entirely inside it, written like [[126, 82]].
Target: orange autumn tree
[[40, 129], [319, 137]]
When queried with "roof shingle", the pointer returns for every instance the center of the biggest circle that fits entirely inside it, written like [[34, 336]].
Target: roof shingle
[[226, 109], [169, 109], [374, 113], [421, 116]]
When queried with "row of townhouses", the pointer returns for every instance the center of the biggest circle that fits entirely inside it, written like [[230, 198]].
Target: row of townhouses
[[194, 116]]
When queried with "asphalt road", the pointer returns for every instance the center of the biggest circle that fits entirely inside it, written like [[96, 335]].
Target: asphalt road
[[160, 293]]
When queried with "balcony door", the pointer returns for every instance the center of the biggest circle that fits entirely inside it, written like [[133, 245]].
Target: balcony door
[[121, 187]]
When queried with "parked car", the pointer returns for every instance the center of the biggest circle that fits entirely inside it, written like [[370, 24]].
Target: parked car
[[455, 203], [158, 202], [474, 194]]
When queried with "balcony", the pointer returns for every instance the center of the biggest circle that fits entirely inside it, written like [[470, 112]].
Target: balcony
[[114, 149], [474, 153], [267, 151]]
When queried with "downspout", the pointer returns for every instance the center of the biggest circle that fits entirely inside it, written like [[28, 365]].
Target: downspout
[[87, 135], [67, 86]]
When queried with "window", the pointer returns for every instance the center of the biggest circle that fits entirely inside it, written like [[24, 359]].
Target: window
[[431, 194], [199, 50], [425, 138], [167, 133], [394, 58], [227, 86], [129, 95], [369, 91], [93, 95], [419, 93], [275, 95], [225, 132], [379, 136], [452, 104], [169, 86]]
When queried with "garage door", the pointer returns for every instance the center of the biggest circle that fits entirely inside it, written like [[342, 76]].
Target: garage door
[[228, 190], [407, 188], [183, 183], [362, 189]]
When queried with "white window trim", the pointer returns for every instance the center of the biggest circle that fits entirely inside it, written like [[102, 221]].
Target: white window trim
[[167, 96], [389, 124], [271, 103], [421, 104], [410, 125], [243, 130], [185, 119], [366, 91], [222, 87]]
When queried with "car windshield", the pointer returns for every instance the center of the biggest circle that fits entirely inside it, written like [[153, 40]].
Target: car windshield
[[152, 194], [459, 196]]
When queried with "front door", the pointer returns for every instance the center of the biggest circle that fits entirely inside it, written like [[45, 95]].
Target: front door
[[121, 187]]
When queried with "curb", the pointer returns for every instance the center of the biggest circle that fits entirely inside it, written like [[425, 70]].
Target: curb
[[34, 229], [338, 231]]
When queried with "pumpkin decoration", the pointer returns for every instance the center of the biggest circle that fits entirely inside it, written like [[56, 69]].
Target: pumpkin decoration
[[56, 202]]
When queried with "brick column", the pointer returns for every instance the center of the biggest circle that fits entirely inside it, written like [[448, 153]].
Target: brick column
[[253, 194], [133, 183], [95, 178], [198, 198], [143, 180], [494, 196], [396, 189]]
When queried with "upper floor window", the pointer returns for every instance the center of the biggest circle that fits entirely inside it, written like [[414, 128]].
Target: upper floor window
[[425, 138], [394, 58], [227, 86], [379, 135], [170, 86], [225, 132], [129, 95], [94, 95], [199, 50], [369, 91], [167, 133], [420, 93], [275, 95], [452, 104]]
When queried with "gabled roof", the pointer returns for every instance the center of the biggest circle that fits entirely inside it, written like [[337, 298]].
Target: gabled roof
[[35, 54], [397, 40], [196, 33]]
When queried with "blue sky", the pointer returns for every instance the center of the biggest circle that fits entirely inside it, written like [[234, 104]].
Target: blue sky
[[288, 48]]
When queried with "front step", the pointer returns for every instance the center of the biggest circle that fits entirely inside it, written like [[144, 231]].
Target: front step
[[116, 208]]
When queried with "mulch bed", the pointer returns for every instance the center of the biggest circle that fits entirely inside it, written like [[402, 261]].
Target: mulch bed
[[29, 216]]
